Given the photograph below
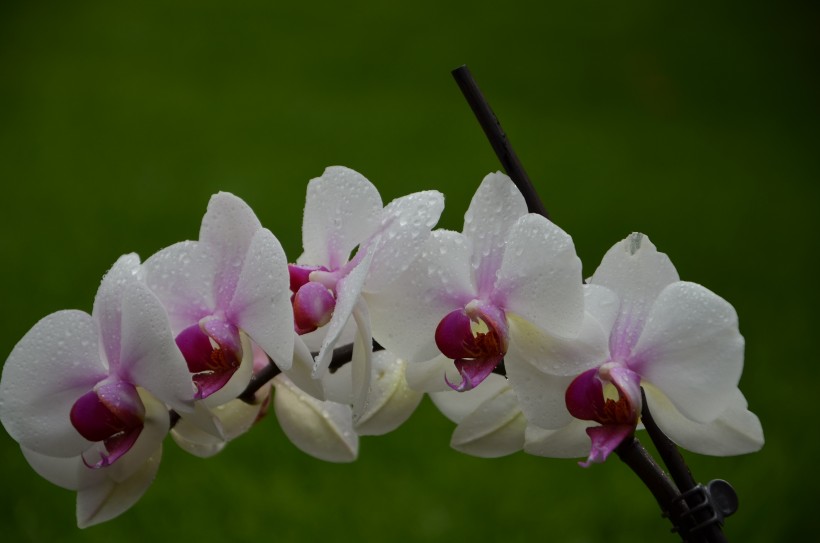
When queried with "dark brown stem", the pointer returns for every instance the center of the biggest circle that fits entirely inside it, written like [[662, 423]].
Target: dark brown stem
[[498, 139], [672, 458], [341, 356], [634, 455]]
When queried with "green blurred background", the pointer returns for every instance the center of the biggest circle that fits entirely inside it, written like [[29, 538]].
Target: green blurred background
[[695, 123]]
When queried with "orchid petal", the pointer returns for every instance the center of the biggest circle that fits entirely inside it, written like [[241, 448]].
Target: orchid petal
[[300, 373], [494, 209], [182, 276], [692, 350], [406, 224], [191, 439], [338, 384], [432, 375], [567, 356], [540, 277], [635, 270], [227, 230], [66, 472], [108, 306], [261, 303], [405, 316], [55, 363], [390, 401], [342, 209], [348, 291], [541, 395], [203, 420], [149, 355], [361, 361], [313, 340], [235, 418], [571, 441], [736, 431], [110, 499], [457, 406], [321, 429], [496, 428]]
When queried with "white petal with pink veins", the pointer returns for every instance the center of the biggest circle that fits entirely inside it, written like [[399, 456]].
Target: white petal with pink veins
[[55, 363], [635, 270], [149, 355], [406, 224], [261, 303], [348, 291], [494, 209], [540, 277], [227, 229], [182, 276], [108, 305], [342, 209], [692, 350], [405, 316]]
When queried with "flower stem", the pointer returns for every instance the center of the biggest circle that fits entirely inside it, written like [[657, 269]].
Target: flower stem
[[498, 139], [633, 454], [341, 356], [672, 458]]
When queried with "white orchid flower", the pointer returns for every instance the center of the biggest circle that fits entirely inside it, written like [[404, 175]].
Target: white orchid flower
[[231, 283], [644, 328], [461, 296], [343, 213], [78, 393]]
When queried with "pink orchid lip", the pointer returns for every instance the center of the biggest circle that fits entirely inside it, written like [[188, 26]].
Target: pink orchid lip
[[313, 306], [605, 439], [113, 414], [300, 275], [586, 400], [476, 338], [212, 349]]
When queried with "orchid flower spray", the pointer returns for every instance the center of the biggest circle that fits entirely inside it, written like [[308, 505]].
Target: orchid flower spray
[[645, 328], [471, 295], [343, 214], [85, 395]]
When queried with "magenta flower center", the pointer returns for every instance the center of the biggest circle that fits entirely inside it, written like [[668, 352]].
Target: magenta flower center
[[212, 349], [611, 396], [313, 300], [113, 414], [476, 338]]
